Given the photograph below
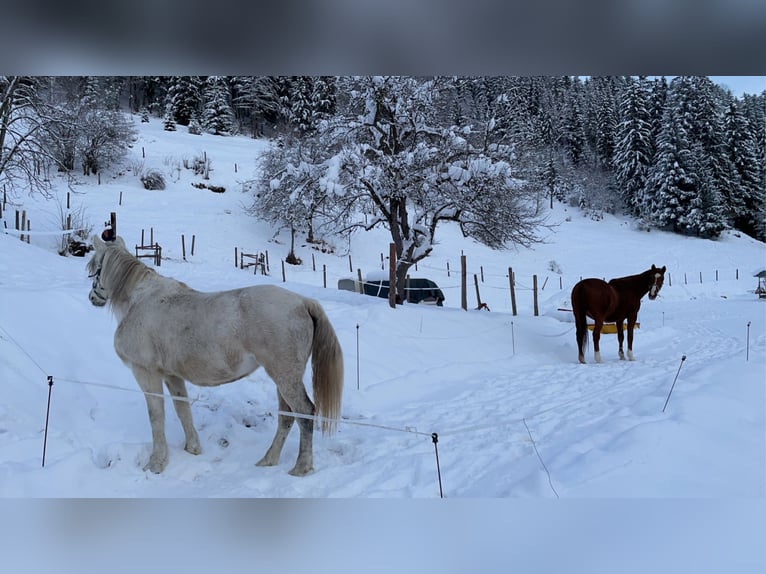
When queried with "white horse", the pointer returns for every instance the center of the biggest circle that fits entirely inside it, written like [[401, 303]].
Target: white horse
[[169, 332]]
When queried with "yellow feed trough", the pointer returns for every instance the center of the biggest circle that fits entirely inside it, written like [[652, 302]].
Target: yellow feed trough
[[612, 327], [608, 328]]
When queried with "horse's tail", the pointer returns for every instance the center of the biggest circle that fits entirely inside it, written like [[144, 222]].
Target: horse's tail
[[327, 368], [579, 309]]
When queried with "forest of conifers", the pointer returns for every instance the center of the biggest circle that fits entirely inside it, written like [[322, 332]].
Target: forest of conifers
[[682, 154]]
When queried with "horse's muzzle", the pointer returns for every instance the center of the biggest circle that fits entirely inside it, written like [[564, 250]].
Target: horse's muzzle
[[96, 299]]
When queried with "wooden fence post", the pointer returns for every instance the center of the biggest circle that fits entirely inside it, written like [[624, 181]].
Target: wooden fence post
[[534, 288], [183, 246], [192, 249], [23, 223], [513, 290], [284, 278], [478, 296], [235, 257], [360, 289], [463, 293], [324, 275]]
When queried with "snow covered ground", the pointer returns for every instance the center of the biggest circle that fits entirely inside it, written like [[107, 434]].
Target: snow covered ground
[[516, 415]]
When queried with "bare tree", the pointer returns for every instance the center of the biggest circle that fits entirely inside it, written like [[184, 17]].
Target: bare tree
[[103, 137], [23, 115], [416, 175], [292, 189]]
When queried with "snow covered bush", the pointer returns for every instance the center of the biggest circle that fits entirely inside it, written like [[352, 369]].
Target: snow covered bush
[[153, 179]]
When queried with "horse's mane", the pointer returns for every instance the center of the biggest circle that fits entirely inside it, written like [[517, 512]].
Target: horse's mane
[[632, 278], [120, 272]]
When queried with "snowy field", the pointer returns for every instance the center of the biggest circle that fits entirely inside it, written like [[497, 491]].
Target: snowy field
[[515, 414]]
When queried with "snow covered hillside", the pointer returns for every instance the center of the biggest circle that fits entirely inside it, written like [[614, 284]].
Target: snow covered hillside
[[515, 414]]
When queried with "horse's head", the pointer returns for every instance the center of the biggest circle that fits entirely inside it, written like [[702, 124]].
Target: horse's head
[[99, 293], [657, 278]]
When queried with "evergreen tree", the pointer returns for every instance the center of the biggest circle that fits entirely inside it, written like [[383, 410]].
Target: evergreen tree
[[255, 100], [602, 118], [323, 99], [633, 150], [184, 96], [217, 115], [670, 187], [687, 192], [744, 177], [168, 123], [301, 104], [658, 94], [573, 129]]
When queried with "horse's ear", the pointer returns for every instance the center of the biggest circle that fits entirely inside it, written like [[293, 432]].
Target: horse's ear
[[663, 269], [653, 267]]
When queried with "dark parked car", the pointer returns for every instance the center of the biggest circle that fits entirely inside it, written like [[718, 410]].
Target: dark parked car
[[416, 290]]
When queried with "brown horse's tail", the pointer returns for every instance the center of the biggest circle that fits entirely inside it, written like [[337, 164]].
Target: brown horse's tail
[[581, 320], [327, 368]]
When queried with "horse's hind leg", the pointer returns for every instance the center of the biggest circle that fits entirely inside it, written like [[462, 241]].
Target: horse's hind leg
[[294, 397], [582, 339], [151, 382], [596, 338], [284, 424], [620, 338], [177, 388]]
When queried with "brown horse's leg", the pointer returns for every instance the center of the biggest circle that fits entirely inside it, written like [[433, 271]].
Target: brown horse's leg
[[581, 325], [581, 329], [620, 337], [596, 339], [631, 324]]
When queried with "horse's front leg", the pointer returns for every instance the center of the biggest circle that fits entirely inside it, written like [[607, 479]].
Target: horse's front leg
[[620, 338], [177, 388], [631, 324], [151, 384]]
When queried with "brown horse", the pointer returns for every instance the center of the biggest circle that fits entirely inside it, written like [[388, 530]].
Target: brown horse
[[615, 302]]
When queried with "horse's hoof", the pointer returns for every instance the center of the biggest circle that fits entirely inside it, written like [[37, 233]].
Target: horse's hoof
[[193, 448], [296, 471], [155, 466], [266, 462]]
